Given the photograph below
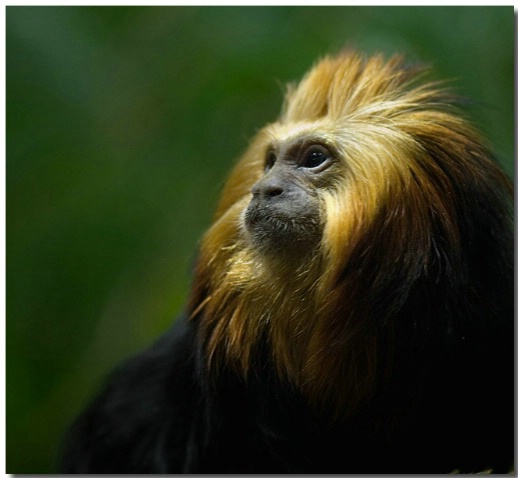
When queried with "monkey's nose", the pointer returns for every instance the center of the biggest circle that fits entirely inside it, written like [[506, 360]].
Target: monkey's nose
[[267, 188]]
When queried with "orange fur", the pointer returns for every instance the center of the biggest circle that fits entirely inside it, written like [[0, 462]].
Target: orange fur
[[404, 150]]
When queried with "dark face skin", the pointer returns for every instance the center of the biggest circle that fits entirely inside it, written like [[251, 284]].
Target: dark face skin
[[284, 212]]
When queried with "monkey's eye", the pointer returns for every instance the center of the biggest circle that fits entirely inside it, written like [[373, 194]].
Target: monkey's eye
[[270, 161], [314, 157]]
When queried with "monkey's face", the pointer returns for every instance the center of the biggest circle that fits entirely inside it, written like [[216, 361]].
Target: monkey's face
[[284, 213]]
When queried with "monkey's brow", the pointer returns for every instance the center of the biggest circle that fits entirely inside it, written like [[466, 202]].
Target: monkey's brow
[[292, 147]]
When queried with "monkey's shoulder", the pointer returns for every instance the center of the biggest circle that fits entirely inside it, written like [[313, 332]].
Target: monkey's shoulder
[[146, 405]]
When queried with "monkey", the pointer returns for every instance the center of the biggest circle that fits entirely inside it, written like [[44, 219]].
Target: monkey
[[351, 308]]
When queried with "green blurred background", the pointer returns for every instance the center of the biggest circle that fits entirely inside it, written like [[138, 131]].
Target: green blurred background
[[122, 123]]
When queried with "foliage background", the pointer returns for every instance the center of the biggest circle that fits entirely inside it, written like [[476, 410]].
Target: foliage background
[[122, 123]]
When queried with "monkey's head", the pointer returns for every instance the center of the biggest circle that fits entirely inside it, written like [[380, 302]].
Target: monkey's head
[[349, 230]]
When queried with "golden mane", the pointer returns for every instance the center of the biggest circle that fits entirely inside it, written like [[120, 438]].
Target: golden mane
[[390, 229]]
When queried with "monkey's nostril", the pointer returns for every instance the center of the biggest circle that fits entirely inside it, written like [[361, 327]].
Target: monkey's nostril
[[267, 189], [273, 190]]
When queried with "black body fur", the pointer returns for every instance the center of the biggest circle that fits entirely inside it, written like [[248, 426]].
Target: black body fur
[[162, 414]]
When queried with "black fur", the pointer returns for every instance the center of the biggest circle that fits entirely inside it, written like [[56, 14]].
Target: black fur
[[161, 413]]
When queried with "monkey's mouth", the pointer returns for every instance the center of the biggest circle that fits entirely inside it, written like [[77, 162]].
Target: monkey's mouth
[[269, 227], [255, 219]]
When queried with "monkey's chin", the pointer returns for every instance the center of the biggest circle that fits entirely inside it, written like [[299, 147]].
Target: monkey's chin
[[273, 233]]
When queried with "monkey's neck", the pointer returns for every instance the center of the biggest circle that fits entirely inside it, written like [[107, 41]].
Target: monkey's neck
[[244, 302]]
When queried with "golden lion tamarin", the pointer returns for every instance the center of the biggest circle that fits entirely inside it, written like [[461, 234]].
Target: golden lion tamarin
[[352, 303]]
